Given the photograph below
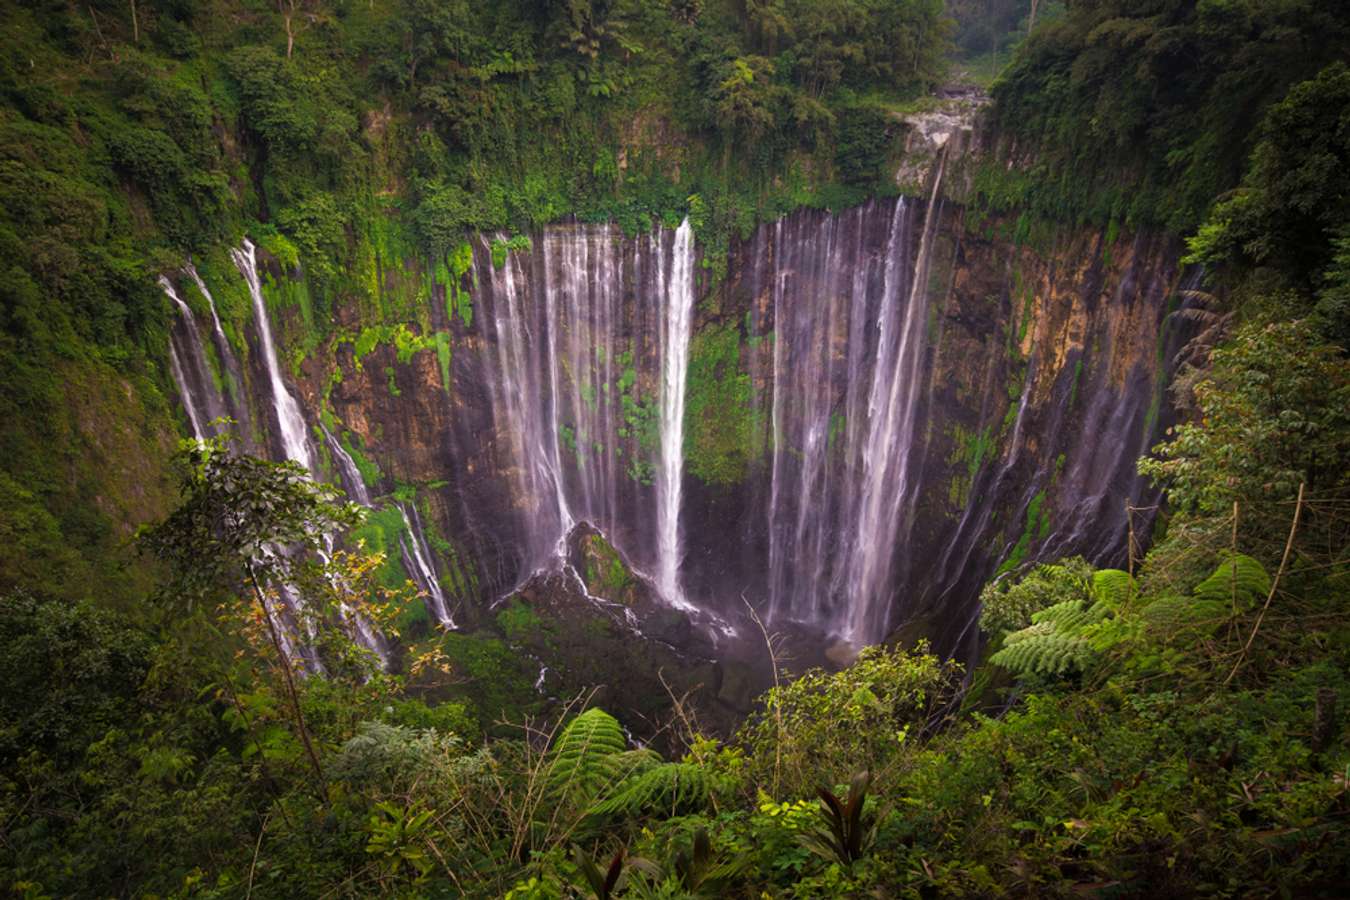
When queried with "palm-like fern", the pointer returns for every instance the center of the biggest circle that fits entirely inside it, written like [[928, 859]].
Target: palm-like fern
[[581, 762], [1070, 616], [1056, 643], [1236, 585], [669, 789], [1238, 579], [1112, 587], [1045, 650]]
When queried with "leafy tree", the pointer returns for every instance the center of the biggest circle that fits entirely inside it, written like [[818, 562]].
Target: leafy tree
[[246, 518], [1275, 413], [69, 673], [1148, 110], [1290, 211], [746, 98], [823, 726], [1059, 640]]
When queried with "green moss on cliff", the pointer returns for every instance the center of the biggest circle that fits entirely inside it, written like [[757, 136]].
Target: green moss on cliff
[[723, 431], [969, 450], [1037, 527]]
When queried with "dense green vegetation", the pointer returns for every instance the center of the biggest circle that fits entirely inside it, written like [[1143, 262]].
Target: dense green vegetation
[[1145, 112], [1175, 729], [1177, 732], [352, 140]]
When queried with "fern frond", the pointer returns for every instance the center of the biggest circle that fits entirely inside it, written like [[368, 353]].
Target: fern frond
[[1045, 651], [1173, 614], [1112, 587], [578, 768], [629, 764], [1238, 577], [1071, 615], [1031, 631], [669, 789]]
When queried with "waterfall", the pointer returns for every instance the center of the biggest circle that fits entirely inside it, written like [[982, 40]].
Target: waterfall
[[224, 344], [849, 319], [585, 354], [180, 379], [191, 369], [232, 375], [290, 422], [675, 325], [517, 397], [417, 559], [573, 403], [886, 484], [199, 400], [352, 481]]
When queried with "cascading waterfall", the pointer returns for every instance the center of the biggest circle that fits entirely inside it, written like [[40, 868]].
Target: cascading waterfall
[[180, 379], [587, 388], [417, 559], [356, 490], [191, 369], [224, 344], [352, 482], [290, 423], [232, 376], [199, 400], [573, 406], [886, 459], [849, 317], [517, 397], [412, 545], [679, 313]]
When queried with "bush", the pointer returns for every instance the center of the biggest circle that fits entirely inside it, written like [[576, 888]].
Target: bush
[[823, 727], [1007, 605]]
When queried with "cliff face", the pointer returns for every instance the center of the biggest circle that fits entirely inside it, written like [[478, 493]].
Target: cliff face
[[1038, 378], [854, 427]]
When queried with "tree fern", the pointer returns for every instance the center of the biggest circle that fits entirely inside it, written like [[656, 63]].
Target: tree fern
[[1044, 650], [668, 789], [1173, 615], [578, 765], [1056, 643], [629, 764], [1070, 615], [1238, 583], [1112, 587], [1238, 578]]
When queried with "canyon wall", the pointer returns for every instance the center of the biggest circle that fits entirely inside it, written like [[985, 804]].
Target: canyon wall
[[851, 430]]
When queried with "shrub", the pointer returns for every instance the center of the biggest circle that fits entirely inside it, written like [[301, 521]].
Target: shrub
[[823, 727]]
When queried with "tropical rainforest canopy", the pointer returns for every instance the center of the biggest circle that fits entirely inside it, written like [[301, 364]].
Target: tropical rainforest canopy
[[1170, 721]]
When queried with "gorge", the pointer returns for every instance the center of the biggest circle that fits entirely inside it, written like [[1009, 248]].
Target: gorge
[[634, 449], [850, 431]]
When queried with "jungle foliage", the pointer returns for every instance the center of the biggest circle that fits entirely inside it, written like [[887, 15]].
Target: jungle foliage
[[1175, 733], [359, 144], [1145, 112], [1175, 730]]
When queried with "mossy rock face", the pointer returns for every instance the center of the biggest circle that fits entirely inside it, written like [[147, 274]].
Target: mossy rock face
[[918, 630], [627, 647], [604, 569], [724, 428]]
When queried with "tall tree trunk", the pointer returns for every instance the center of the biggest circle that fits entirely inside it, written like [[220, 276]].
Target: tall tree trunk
[[291, 692]]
